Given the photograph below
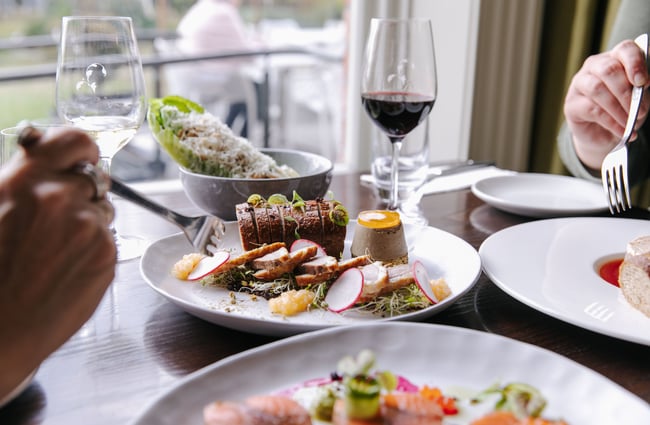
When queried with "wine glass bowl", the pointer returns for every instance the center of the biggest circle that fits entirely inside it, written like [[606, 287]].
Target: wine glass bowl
[[399, 84], [100, 89]]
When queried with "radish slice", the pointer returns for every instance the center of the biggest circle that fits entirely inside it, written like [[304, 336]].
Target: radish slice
[[208, 265], [303, 243], [423, 281], [345, 291]]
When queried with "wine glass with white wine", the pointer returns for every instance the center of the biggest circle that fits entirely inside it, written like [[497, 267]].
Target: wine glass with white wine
[[100, 89]]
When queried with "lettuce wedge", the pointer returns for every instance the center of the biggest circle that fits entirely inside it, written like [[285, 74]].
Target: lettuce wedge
[[201, 143]]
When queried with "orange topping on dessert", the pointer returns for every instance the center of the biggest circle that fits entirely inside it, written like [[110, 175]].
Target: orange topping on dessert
[[378, 219]]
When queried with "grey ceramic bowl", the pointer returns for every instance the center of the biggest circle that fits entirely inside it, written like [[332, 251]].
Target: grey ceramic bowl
[[219, 195]]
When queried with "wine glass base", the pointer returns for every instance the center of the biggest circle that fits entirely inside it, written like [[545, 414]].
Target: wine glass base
[[129, 247], [412, 214]]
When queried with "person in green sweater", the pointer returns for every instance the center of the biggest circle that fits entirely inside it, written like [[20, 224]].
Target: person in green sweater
[[598, 100]]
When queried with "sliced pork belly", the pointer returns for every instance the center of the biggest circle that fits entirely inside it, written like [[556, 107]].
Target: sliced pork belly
[[271, 260], [375, 278], [399, 276], [295, 258], [319, 265]]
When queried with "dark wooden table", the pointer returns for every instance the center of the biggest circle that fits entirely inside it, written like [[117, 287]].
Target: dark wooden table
[[137, 345]]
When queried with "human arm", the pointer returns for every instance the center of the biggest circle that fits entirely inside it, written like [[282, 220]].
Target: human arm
[[57, 254], [598, 101], [632, 19]]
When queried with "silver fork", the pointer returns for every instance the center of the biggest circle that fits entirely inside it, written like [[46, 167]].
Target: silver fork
[[614, 168], [204, 232]]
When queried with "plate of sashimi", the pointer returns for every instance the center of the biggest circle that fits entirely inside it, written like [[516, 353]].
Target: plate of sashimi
[[314, 269], [396, 373]]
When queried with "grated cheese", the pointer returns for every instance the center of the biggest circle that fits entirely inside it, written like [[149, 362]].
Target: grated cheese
[[219, 148]]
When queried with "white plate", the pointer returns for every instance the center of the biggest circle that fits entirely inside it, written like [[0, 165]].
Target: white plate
[[443, 254], [552, 265], [436, 355], [541, 195]]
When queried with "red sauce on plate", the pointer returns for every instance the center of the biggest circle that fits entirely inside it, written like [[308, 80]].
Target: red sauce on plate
[[609, 271]]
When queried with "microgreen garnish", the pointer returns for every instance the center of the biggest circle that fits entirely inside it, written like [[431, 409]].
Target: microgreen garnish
[[255, 200], [339, 215]]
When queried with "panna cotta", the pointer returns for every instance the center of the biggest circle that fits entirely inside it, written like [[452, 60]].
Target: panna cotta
[[380, 235]]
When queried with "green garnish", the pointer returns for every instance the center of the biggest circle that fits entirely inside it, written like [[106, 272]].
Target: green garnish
[[362, 397], [295, 232], [339, 215], [325, 406], [297, 202], [521, 399], [277, 199], [403, 300], [387, 379], [182, 104], [255, 200]]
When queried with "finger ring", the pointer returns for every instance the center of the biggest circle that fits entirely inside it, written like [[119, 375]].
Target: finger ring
[[97, 176], [28, 136]]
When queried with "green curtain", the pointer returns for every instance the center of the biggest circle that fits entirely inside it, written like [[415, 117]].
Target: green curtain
[[572, 30]]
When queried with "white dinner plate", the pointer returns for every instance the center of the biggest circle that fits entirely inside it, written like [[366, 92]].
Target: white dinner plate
[[443, 254], [446, 357], [552, 265], [541, 195]]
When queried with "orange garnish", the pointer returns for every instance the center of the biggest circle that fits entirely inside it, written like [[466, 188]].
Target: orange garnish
[[378, 219]]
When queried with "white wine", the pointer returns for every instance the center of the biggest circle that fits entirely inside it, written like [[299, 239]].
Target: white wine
[[110, 133]]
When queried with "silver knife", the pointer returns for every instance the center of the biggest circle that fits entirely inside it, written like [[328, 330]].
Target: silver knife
[[455, 168], [442, 169]]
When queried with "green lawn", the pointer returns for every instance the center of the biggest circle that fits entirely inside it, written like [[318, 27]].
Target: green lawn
[[29, 99], [34, 99]]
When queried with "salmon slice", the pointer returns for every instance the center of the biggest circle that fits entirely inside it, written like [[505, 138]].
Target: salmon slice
[[507, 418], [257, 410], [339, 417], [396, 409], [410, 409]]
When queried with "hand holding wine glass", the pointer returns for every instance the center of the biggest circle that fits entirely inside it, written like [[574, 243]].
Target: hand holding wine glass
[[100, 88], [399, 84]]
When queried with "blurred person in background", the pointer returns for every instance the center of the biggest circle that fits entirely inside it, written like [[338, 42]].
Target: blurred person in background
[[216, 26], [57, 254], [598, 101]]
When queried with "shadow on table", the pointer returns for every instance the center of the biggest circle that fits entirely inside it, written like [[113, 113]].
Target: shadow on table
[[183, 343]]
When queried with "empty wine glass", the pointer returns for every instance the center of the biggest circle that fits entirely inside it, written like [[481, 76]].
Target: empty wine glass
[[399, 84], [100, 89]]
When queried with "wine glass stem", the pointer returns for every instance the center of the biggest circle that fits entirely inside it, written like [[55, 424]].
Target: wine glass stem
[[396, 143], [105, 163]]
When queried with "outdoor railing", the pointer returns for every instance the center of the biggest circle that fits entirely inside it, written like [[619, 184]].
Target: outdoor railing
[[157, 61]]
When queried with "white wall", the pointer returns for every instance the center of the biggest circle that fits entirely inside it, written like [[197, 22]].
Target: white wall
[[455, 27]]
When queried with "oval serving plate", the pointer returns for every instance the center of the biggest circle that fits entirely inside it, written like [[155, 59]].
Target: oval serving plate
[[436, 355], [443, 254]]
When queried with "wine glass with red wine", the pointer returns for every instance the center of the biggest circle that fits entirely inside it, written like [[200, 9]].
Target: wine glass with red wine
[[399, 83]]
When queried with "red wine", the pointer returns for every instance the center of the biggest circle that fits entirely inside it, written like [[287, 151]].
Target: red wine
[[397, 113]]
